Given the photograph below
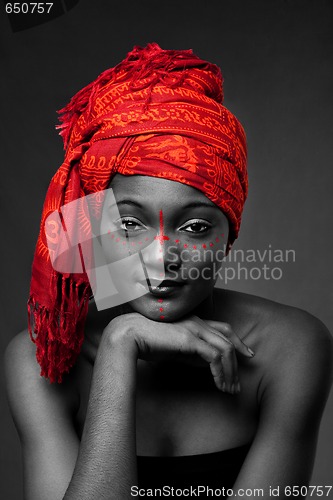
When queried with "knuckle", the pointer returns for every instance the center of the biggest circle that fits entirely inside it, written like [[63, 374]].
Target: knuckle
[[216, 356], [227, 329], [229, 348], [193, 325], [186, 337], [218, 373], [186, 324]]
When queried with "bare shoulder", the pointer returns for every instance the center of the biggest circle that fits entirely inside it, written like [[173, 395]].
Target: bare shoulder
[[276, 327], [289, 342], [31, 397], [292, 366], [293, 338]]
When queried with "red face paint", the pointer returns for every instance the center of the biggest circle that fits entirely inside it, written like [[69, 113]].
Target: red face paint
[[161, 236]]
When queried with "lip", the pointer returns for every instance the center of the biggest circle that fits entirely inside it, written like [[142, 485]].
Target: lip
[[163, 288], [164, 283]]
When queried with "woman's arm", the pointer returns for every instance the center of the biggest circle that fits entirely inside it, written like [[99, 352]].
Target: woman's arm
[[103, 465], [56, 465], [292, 396], [43, 414], [106, 463]]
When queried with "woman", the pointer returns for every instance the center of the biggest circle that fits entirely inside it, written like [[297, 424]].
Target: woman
[[172, 383]]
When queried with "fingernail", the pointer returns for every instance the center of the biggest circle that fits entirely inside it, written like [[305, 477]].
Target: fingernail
[[232, 388], [223, 387], [250, 351], [238, 387]]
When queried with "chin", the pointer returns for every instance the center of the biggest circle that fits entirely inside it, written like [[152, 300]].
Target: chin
[[162, 311]]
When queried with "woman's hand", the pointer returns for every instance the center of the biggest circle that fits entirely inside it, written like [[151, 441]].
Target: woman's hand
[[212, 342]]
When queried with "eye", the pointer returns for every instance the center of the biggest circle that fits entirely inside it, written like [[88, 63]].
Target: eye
[[130, 224], [195, 226]]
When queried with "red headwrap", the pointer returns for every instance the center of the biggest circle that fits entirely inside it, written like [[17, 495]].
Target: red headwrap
[[158, 113]]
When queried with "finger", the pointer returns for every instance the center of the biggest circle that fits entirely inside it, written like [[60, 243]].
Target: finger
[[217, 371], [228, 332], [229, 363], [213, 357], [227, 351]]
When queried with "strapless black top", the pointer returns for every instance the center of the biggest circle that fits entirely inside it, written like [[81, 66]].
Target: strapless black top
[[214, 470]]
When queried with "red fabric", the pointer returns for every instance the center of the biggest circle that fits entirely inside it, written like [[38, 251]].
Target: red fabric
[[158, 113]]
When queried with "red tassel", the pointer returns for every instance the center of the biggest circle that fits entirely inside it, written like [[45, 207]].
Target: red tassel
[[52, 331]]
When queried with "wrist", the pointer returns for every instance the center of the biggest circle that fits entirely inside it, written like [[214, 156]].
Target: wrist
[[119, 337]]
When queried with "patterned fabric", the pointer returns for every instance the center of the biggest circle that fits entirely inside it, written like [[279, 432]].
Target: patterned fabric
[[158, 113]]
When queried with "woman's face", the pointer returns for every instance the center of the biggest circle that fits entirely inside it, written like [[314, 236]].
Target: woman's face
[[172, 239]]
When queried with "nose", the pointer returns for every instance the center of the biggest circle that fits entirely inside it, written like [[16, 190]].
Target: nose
[[171, 257], [161, 257]]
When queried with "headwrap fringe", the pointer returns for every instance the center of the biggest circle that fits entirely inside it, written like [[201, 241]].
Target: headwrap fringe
[[52, 329]]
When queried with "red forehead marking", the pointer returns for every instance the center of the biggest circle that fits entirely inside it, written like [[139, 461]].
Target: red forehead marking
[[161, 236]]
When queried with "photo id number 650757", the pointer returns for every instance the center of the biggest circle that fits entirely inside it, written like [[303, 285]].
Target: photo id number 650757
[[307, 491], [28, 7]]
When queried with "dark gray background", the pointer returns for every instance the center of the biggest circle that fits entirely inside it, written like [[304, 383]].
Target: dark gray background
[[276, 57]]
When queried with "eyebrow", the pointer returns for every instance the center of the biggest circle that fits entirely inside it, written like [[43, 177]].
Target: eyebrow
[[126, 202], [200, 204], [193, 204]]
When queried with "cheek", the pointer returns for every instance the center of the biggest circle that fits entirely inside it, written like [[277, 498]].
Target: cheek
[[213, 242], [118, 245], [114, 247], [202, 254]]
